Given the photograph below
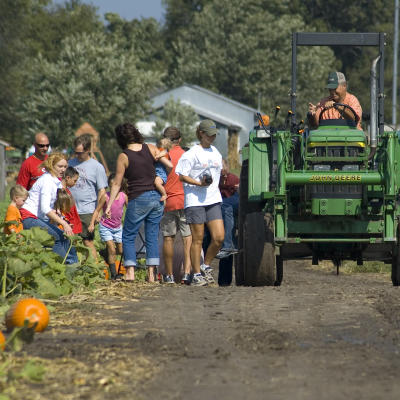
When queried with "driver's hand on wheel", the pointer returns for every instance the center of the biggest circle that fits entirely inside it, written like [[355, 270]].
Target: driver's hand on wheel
[[312, 108], [329, 104]]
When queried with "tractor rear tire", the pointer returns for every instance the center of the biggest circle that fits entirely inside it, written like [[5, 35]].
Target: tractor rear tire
[[259, 250], [245, 207], [396, 261]]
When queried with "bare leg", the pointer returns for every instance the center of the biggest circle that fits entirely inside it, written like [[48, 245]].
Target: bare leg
[[90, 244], [151, 273], [111, 252], [168, 252], [119, 248], [111, 258], [159, 184], [187, 242], [195, 248], [130, 273], [216, 228]]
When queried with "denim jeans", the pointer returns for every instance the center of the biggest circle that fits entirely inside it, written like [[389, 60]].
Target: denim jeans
[[61, 242], [145, 208], [229, 208]]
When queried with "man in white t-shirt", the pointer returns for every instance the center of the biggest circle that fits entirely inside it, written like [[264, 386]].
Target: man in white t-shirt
[[199, 169]]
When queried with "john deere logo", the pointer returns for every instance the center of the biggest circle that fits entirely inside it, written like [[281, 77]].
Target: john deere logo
[[335, 178]]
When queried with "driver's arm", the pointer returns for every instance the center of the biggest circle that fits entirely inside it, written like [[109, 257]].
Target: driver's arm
[[346, 112], [313, 114]]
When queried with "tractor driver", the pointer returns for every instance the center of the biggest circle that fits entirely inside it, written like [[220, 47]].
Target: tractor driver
[[337, 87]]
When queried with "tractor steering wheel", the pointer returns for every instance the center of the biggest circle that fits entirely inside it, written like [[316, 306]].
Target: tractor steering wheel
[[356, 117]]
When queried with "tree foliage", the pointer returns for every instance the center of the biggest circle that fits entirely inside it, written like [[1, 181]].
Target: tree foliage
[[240, 49], [92, 80], [143, 37], [30, 27], [180, 115]]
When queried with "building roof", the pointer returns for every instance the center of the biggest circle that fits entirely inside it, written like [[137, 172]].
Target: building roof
[[208, 104]]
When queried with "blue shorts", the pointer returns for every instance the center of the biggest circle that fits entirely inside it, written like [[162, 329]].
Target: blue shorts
[[114, 234], [161, 171]]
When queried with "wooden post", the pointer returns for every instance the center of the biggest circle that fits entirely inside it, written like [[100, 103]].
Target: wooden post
[[233, 153], [2, 171]]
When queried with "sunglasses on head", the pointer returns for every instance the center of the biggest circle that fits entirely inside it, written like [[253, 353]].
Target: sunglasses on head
[[42, 146]]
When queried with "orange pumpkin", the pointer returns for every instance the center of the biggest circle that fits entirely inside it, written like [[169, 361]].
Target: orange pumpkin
[[119, 268], [31, 309], [2, 341]]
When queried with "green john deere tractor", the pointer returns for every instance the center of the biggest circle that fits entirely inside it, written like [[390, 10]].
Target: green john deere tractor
[[324, 194]]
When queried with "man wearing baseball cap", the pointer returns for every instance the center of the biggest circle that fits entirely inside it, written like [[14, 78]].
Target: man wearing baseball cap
[[338, 93]]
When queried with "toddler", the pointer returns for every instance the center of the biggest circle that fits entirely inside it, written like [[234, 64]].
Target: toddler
[[13, 221], [110, 229], [71, 175], [63, 205], [161, 173]]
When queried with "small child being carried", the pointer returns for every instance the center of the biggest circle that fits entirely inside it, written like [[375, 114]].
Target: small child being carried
[[63, 205], [164, 146], [110, 229], [13, 221]]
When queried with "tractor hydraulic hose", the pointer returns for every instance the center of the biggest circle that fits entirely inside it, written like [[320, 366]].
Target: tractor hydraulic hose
[[374, 111]]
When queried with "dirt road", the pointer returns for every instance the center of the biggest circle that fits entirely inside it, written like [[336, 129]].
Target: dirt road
[[318, 336]]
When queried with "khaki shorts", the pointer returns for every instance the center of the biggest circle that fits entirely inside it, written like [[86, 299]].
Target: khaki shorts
[[174, 220], [85, 219]]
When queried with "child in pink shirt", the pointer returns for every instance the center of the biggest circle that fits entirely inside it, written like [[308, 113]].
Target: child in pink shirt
[[110, 229]]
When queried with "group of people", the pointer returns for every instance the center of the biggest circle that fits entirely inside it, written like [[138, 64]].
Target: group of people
[[191, 192], [171, 189]]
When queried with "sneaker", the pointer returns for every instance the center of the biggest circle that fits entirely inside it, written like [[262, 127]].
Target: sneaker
[[198, 280], [168, 279], [223, 253], [186, 279], [206, 271], [232, 250]]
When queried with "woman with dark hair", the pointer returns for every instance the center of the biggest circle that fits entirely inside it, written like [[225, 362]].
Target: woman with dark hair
[[136, 164]]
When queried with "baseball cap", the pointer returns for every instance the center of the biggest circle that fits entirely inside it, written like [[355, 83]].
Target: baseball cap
[[208, 127], [335, 79]]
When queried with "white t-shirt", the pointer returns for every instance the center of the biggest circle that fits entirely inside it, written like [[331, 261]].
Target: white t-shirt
[[195, 163], [42, 195]]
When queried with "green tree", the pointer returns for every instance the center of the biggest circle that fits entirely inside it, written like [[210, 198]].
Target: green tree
[[12, 33], [242, 50], [92, 80], [27, 28], [175, 113], [143, 37]]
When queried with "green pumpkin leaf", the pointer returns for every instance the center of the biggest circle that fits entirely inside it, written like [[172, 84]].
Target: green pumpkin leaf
[[18, 267], [33, 371], [46, 286]]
